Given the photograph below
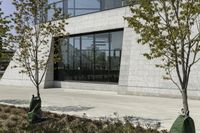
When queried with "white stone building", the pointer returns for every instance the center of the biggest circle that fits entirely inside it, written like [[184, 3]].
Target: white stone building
[[102, 53]]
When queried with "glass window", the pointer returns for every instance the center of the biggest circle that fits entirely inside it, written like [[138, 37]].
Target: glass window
[[87, 4], [71, 12], [109, 4], [116, 40], [87, 42], [53, 1], [79, 7], [92, 57], [77, 53], [115, 54], [71, 3], [70, 52], [61, 61], [84, 11], [64, 50], [102, 41], [55, 11], [87, 57], [101, 56]]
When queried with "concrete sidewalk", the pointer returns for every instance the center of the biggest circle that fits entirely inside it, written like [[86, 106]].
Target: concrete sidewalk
[[100, 103]]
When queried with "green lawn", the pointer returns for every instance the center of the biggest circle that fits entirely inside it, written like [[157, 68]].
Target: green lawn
[[14, 120]]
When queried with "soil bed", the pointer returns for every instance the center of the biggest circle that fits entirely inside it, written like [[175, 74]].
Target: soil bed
[[14, 120]]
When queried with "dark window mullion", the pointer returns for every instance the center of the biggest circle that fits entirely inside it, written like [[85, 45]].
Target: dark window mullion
[[54, 3], [101, 8], [68, 63], [85, 8], [80, 57], [109, 58], [73, 57], [94, 56], [74, 8], [65, 8]]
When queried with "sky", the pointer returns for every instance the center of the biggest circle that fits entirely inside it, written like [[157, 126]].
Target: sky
[[7, 7]]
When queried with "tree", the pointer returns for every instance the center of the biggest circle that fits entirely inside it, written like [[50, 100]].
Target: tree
[[33, 37], [4, 31], [171, 29], [4, 23]]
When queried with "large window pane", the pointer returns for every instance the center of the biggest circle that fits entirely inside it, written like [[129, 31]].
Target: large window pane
[[53, 1], [61, 59], [84, 11], [77, 65], [87, 57], [64, 50], [87, 42], [93, 57], [101, 56], [77, 53], [116, 40], [79, 7], [71, 3], [53, 9], [115, 55], [87, 4], [101, 65], [109, 4], [102, 41], [70, 53], [71, 12]]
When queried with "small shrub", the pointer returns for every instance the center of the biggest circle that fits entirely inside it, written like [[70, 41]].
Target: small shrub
[[1, 126], [23, 124], [14, 118], [16, 111], [10, 123], [3, 116], [17, 122], [7, 109]]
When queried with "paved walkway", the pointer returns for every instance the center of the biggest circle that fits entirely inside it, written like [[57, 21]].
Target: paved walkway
[[99, 104]]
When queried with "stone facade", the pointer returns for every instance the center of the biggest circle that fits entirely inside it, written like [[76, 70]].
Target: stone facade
[[138, 76]]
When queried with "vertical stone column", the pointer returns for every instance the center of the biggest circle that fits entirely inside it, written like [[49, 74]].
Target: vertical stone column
[[127, 46]]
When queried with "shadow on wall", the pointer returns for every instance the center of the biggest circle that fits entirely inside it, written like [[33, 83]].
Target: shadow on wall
[[1, 74], [49, 78]]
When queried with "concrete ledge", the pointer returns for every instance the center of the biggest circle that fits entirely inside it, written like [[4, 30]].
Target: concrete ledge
[[86, 86], [157, 92], [21, 83]]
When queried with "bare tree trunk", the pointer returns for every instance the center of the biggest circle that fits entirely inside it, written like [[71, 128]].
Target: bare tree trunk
[[38, 90], [37, 71], [37, 78], [185, 103], [1, 47]]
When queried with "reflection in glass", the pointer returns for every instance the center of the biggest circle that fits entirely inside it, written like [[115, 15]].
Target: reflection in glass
[[76, 58], [80, 7], [102, 41], [53, 1], [87, 57], [70, 3], [54, 9], [116, 38], [87, 42], [93, 57], [87, 4], [109, 4]]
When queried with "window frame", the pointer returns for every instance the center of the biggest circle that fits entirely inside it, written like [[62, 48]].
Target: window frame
[[65, 9], [94, 71]]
